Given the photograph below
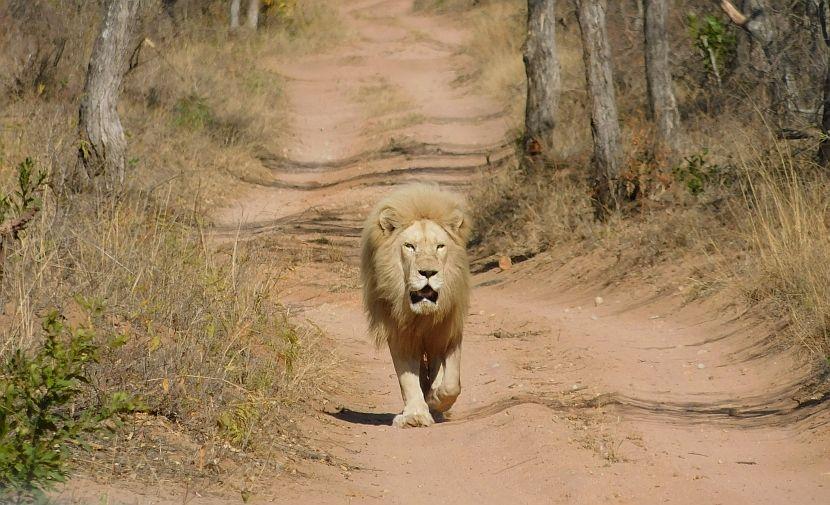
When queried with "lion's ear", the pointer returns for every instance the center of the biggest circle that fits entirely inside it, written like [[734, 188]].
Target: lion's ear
[[387, 220], [459, 223]]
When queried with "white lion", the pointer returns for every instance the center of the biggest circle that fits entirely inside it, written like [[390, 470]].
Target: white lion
[[416, 292]]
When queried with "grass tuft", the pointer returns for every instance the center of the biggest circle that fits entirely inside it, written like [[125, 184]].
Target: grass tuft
[[787, 207]]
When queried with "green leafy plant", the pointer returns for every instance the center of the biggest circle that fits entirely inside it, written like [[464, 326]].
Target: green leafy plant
[[26, 197], [715, 41], [697, 173], [42, 411], [193, 113]]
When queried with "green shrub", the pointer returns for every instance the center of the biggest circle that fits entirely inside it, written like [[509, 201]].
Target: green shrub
[[193, 113], [715, 41], [697, 174], [42, 411], [26, 196]]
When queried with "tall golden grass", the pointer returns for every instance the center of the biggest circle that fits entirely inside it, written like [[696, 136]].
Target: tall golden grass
[[787, 205], [192, 327], [192, 331]]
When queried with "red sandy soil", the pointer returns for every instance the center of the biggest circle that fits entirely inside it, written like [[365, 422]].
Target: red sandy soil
[[640, 398]]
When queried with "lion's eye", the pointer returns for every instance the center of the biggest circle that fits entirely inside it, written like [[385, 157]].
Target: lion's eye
[[440, 246], [409, 246]]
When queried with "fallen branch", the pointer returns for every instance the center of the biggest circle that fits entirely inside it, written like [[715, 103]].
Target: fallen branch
[[754, 24], [734, 14], [792, 134], [11, 230], [14, 227]]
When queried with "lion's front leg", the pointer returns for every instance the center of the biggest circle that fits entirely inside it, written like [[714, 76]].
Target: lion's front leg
[[447, 386], [415, 411]]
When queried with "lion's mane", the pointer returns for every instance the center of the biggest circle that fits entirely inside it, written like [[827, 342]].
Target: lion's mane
[[385, 297]]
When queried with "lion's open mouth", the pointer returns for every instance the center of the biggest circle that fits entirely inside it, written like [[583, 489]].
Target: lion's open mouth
[[425, 293]]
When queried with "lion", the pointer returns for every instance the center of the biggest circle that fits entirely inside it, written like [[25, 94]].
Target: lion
[[416, 291]]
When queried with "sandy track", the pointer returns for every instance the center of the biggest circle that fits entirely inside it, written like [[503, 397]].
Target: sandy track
[[640, 399], [635, 400]]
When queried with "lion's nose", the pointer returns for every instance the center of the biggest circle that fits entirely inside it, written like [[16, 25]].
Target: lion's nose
[[427, 273]]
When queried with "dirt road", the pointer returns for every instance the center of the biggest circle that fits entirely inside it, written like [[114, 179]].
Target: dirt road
[[637, 399]]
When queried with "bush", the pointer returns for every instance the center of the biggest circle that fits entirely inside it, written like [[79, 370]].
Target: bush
[[201, 336], [787, 209], [525, 211], [26, 196], [716, 43], [193, 113], [697, 173], [40, 417]]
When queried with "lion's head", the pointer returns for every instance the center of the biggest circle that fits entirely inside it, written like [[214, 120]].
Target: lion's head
[[414, 262], [424, 253]]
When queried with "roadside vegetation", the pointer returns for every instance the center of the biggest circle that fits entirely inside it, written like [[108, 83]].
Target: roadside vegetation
[[743, 198], [133, 344], [123, 322]]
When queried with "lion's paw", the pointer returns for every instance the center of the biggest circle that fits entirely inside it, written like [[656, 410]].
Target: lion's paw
[[441, 399], [413, 418]]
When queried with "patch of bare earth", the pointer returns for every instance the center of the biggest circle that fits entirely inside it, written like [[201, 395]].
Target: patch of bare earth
[[575, 390]]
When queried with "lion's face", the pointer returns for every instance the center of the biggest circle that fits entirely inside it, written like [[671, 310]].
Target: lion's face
[[414, 266], [424, 248]]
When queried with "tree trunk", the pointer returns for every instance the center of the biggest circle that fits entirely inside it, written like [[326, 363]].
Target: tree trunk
[[542, 69], [662, 105], [763, 28], [102, 147], [235, 14], [253, 14], [605, 127], [824, 146]]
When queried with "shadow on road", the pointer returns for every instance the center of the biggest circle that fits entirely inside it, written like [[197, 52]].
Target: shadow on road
[[367, 418]]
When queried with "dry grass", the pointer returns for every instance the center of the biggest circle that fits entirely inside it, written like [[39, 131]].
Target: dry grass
[[495, 46], [522, 212], [199, 333], [381, 98], [192, 328], [760, 204], [762, 228], [444, 5], [303, 26], [215, 99], [497, 31], [788, 226]]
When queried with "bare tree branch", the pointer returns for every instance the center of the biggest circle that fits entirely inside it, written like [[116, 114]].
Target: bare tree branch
[[14, 227], [734, 14]]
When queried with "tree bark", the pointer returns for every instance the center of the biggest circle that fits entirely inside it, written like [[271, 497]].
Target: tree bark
[[824, 145], [605, 127], [543, 77], [763, 29], [253, 14], [235, 14], [662, 105], [102, 147]]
